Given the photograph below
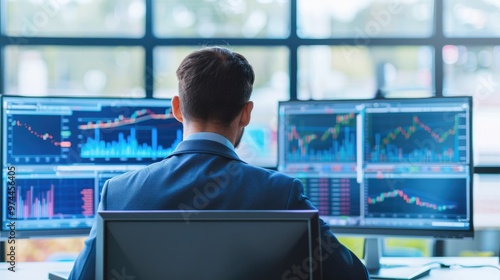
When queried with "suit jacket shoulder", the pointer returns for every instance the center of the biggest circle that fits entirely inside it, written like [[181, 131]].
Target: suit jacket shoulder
[[202, 174]]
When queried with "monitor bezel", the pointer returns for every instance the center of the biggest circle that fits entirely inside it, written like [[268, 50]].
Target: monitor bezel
[[399, 232], [123, 100], [109, 216]]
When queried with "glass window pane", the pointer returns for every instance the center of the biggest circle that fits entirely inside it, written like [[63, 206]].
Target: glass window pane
[[49, 249], [258, 145], [97, 18], [475, 71], [465, 18], [351, 72], [365, 19], [486, 206], [222, 18], [75, 71]]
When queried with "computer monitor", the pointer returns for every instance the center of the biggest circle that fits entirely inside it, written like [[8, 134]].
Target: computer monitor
[[57, 153], [383, 167], [208, 245]]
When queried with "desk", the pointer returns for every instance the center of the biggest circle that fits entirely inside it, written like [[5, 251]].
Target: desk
[[33, 270], [40, 270], [455, 273]]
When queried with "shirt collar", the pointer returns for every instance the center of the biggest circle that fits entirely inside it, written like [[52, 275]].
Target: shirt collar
[[212, 137]]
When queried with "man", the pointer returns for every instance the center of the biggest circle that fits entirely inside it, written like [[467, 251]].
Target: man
[[204, 172]]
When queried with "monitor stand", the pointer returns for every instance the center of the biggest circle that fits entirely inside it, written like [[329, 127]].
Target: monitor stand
[[373, 247], [59, 275]]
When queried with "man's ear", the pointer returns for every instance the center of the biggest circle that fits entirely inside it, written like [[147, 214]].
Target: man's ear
[[176, 108], [246, 114]]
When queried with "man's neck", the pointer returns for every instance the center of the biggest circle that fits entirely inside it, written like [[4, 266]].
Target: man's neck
[[194, 127]]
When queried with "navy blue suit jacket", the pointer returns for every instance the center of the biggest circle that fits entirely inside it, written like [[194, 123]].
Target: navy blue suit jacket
[[206, 175]]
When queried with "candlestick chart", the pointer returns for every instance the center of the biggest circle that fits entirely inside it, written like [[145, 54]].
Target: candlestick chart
[[416, 197], [34, 139], [416, 137], [321, 138]]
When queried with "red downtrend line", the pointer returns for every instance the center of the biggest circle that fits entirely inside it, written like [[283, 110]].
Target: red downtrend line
[[407, 133], [44, 136], [136, 117], [409, 200]]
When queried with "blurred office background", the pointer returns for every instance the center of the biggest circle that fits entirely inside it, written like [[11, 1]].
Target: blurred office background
[[321, 49]]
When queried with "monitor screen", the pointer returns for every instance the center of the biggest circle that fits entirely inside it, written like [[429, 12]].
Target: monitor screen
[[58, 152], [390, 166], [208, 245]]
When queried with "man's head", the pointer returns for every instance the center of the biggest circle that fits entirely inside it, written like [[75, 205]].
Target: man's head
[[215, 85]]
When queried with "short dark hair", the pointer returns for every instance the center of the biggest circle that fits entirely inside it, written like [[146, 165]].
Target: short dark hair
[[214, 84]]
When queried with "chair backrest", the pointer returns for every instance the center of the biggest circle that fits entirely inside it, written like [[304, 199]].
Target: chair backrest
[[207, 244]]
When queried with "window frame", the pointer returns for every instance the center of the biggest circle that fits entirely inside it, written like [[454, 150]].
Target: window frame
[[149, 41]]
